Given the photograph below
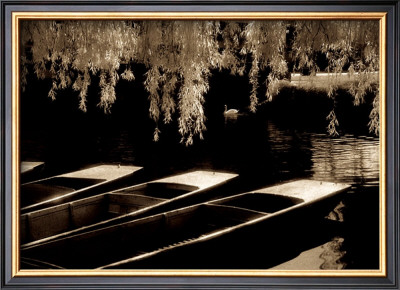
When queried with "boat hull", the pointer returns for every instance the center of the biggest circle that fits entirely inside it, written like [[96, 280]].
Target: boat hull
[[216, 234], [261, 245], [135, 238], [71, 186], [119, 206]]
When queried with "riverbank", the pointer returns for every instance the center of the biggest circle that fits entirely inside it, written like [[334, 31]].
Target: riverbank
[[321, 80]]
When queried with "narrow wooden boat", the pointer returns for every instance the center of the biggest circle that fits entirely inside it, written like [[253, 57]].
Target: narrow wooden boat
[[70, 186], [31, 170], [29, 166], [129, 245], [119, 205]]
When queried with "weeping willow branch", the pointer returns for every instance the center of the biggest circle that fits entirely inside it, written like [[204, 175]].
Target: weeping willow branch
[[180, 55], [349, 46]]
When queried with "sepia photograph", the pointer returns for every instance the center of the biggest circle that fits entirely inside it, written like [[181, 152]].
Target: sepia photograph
[[200, 144]]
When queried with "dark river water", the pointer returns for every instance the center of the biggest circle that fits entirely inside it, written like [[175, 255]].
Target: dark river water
[[263, 151]]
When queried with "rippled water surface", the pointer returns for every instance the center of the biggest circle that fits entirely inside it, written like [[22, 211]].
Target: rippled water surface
[[348, 159]]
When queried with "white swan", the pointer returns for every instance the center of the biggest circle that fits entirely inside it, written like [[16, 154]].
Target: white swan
[[230, 112]]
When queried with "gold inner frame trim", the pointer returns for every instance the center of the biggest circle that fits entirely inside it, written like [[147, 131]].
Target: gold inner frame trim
[[200, 15], [17, 16]]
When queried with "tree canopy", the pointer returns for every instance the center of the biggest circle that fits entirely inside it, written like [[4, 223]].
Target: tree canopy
[[180, 57]]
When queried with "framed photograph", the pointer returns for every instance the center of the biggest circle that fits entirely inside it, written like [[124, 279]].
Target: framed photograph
[[198, 144]]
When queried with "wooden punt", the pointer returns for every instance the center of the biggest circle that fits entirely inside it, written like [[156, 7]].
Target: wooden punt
[[129, 245], [70, 186], [117, 206], [29, 166], [31, 170]]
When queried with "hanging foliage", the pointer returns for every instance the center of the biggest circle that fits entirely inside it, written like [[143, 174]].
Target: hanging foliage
[[349, 46], [180, 55]]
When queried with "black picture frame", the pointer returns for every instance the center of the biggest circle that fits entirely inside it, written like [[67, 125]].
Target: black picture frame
[[95, 281]]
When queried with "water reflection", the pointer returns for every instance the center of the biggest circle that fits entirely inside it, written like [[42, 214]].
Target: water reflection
[[332, 255], [349, 158], [248, 145], [346, 159]]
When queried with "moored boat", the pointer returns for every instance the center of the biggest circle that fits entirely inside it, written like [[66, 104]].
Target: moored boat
[[31, 170], [130, 244], [70, 186], [119, 205], [29, 166]]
